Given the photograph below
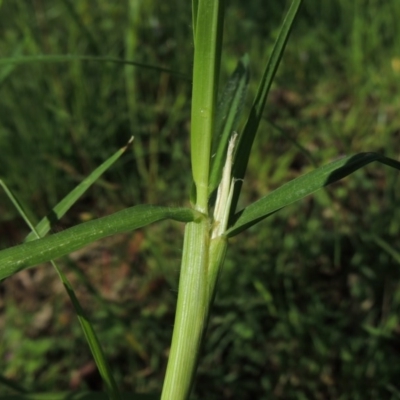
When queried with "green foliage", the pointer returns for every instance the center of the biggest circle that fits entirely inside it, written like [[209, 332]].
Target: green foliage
[[54, 246], [301, 187], [80, 108], [307, 304], [303, 325]]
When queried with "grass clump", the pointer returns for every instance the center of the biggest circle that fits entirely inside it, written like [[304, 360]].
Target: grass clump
[[316, 315]]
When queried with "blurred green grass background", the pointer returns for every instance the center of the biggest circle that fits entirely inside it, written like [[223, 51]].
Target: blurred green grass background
[[308, 304]]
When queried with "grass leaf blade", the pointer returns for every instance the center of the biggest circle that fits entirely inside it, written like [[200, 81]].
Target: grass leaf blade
[[384, 245], [68, 201], [93, 342], [90, 334], [247, 137], [51, 247], [77, 57], [302, 187]]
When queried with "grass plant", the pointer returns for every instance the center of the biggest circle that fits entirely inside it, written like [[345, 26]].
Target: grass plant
[[219, 160]]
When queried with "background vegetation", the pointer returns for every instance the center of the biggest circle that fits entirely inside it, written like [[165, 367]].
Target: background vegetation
[[308, 304]]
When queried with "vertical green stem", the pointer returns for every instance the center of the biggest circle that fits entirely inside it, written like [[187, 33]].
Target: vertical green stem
[[191, 314], [194, 296]]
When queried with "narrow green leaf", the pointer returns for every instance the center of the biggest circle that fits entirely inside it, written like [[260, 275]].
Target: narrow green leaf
[[229, 108], [302, 187], [91, 337], [76, 57], [16, 258], [68, 201], [387, 247], [295, 142], [93, 341], [247, 138]]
